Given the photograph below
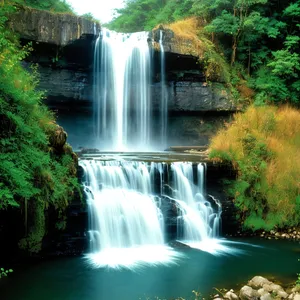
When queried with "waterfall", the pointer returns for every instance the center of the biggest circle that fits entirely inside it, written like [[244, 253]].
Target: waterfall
[[164, 93], [126, 224], [198, 220], [122, 107], [124, 200]]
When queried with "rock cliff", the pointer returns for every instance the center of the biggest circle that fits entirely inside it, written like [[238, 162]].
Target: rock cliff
[[63, 50], [51, 28]]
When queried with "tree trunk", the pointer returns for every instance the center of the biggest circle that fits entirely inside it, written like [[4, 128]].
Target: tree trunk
[[26, 217], [249, 59], [234, 47]]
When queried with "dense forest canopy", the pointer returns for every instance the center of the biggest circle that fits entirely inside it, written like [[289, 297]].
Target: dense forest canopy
[[260, 36]]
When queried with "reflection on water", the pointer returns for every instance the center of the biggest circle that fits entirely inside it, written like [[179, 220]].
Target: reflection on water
[[74, 279]]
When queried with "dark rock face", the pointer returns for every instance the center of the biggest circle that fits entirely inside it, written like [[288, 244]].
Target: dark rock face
[[188, 96], [51, 28], [63, 49], [65, 86]]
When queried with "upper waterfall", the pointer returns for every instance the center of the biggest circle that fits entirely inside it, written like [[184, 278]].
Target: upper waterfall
[[122, 99]]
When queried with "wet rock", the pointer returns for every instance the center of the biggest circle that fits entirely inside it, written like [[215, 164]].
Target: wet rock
[[248, 293], [296, 297], [176, 244], [58, 137], [262, 292], [272, 287], [258, 282], [231, 296], [296, 289], [266, 296], [282, 294]]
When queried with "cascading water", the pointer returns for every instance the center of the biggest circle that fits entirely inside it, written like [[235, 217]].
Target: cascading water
[[198, 220], [126, 224], [122, 105], [164, 93]]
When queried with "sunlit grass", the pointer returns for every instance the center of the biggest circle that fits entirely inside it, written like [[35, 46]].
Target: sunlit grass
[[192, 39], [272, 199]]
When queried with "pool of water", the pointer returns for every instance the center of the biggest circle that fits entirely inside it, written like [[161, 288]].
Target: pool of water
[[75, 279]]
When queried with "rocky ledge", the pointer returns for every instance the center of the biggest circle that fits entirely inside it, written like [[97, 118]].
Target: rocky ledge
[[51, 28], [172, 43], [261, 288]]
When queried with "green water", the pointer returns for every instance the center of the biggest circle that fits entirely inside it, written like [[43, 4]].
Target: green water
[[73, 279]]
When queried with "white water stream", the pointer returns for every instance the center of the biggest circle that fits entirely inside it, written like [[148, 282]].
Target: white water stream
[[164, 93], [122, 103], [126, 222]]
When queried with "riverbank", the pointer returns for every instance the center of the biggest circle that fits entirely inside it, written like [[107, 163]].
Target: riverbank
[[260, 288]]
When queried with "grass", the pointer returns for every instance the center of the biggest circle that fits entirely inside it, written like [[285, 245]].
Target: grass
[[192, 39], [263, 145]]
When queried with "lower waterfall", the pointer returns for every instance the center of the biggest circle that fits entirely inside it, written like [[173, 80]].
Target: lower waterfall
[[198, 221], [126, 223]]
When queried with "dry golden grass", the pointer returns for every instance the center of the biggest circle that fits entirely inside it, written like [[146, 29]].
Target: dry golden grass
[[279, 130], [187, 39], [192, 40], [245, 92]]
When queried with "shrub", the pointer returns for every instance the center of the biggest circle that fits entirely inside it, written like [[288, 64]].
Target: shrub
[[263, 145]]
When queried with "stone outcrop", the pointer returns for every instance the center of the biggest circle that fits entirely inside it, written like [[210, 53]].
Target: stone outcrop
[[51, 28], [260, 288], [187, 96], [172, 43]]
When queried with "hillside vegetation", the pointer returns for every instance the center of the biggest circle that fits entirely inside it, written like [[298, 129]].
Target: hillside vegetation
[[263, 145], [37, 168], [51, 5]]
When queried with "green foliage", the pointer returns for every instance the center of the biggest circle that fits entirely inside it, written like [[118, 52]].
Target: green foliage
[[89, 16], [4, 273], [33, 174], [260, 35], [60, 6]]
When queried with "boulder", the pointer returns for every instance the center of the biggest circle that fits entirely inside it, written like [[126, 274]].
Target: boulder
[[57, 138], [248, 293], [231, 296], [266, 296], [258, 282], [296, 296], [282, 295], [272, 287], [262, 292]]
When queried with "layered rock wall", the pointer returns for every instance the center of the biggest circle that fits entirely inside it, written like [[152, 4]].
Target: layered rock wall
[[51, 28]]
